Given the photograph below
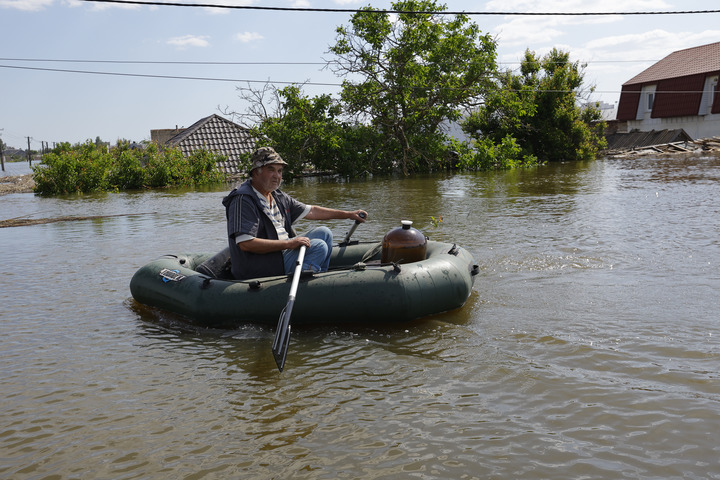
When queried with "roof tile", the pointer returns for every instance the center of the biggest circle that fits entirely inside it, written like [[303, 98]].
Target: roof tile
[[218, 135]]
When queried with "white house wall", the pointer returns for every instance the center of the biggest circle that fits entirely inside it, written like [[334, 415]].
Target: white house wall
[[708, 94], [697, 127], [705, 125]]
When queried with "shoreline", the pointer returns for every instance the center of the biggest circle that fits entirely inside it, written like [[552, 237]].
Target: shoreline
[[17, 184], [25, 184]]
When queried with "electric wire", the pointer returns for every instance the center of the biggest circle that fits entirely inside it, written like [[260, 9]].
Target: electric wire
[[214, 79], [173, 77], [208, 63], [390, 11], [271, 82]]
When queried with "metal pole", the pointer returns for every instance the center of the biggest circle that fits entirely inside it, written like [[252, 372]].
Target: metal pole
[[2, 152]]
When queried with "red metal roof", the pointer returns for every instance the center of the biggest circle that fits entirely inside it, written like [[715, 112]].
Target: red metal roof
[[678, 97], [691, 61], [629, 100]]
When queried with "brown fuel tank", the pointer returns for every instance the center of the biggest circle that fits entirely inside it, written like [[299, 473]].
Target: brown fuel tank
[[404, 244]]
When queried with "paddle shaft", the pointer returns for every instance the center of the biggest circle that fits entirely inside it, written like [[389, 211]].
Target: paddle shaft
[[352, 229], [282, 332]]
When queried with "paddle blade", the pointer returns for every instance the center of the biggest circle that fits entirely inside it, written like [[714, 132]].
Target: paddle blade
[[282, 338]]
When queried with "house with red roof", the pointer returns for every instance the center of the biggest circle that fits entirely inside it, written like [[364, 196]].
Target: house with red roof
[[678, 92]]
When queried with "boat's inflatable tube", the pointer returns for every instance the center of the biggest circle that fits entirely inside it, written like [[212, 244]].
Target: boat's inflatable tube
[[356, 289]]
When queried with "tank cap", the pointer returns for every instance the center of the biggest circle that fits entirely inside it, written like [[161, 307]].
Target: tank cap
[[406, 224]]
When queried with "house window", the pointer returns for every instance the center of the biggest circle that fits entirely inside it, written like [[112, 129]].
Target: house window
[[646, 101]]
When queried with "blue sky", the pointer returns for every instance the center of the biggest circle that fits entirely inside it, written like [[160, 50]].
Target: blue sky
[[58, 106]]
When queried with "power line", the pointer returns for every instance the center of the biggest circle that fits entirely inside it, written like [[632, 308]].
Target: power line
[[154, 62], [173, 77], [353, 10], [211, 79], [207, 63]]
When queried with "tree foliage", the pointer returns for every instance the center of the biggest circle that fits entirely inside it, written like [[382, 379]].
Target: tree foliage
[[405, 76], [540, 109], [311, 134]]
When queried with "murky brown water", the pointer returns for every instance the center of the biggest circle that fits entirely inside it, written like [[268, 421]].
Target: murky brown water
[[589, 348]]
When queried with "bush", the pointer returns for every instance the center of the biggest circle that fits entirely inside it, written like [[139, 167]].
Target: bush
[[71, 170], [127, 172], [503, 156], [88, 167]]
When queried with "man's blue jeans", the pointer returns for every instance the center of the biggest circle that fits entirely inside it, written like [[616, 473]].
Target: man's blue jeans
[[317, 257]]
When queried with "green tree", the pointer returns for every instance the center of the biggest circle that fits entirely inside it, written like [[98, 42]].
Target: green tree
[[310, 133], [405, 76], [540, 108]]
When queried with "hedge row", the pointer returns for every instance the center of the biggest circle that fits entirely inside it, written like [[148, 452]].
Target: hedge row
[[88, 167]]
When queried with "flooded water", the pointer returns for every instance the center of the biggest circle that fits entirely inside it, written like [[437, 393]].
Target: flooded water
[[588, 349], [16, 168]]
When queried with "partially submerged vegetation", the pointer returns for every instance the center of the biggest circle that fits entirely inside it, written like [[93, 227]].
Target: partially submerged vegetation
[[406, 78], [89, 167]]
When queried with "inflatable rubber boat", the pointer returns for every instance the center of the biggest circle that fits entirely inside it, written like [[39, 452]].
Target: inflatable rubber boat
[[361, 287]]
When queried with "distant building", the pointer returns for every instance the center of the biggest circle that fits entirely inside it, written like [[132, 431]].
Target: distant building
[[162, 136], [678, 92], [608, 111], [213, 133]]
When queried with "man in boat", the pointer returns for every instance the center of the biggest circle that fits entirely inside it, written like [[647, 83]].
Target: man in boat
[[260, 217]]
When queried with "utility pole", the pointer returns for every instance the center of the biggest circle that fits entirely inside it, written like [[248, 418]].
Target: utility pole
[[2, 152], [28, 153]]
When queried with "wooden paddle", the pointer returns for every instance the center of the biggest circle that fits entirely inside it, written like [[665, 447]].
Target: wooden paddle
[[282, 333]]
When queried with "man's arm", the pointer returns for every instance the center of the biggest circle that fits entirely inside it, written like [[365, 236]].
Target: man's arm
[[264, 245], [322, 213]]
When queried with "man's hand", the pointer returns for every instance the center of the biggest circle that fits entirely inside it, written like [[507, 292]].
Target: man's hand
[[297, 242], [359, 215]]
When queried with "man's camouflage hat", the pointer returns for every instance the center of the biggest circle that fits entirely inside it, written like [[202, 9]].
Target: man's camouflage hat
[[265, 156]]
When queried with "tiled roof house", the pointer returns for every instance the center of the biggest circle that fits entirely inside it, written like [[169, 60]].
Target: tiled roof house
[[678, 92], [219, 135]]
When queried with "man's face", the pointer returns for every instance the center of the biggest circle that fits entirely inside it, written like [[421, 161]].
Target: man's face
[[268, 178]]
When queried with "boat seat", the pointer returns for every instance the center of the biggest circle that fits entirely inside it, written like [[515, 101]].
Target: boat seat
[[218, 266]]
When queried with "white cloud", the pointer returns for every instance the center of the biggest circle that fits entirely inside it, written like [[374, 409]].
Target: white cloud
[[559, 6], [544, 30], [26, 5], [655, 40], [98, 7], [190, 41], [528, 30], [246, 37], [300, 4], [223, 11]]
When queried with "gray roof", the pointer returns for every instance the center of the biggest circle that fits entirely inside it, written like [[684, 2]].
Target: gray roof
[[218, 135], [646, 139]]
